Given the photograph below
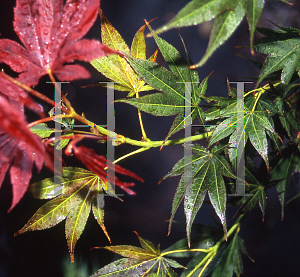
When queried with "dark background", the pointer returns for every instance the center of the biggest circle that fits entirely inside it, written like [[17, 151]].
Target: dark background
[[274, 245]]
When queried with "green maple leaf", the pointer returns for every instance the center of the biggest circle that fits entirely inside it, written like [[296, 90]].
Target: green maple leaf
[[204, 238], [226, 262], [230, 260], [180, 91], [283, 49], [258, 196], [78, 193], [138, 261], [201, 174], [256, 123], [42, 130], [116, 68], [282, 171], [255, 189], [227, 14], [284, 109]]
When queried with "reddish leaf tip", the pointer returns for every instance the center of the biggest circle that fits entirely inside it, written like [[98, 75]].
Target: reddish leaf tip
[[96, 247], [137, 234], [72, 257], [161, 147], [105, 232]]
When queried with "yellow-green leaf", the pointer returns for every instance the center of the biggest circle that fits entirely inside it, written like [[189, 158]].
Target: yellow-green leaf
[[115, 67], [138, 46], [74, 197], [138, 262]]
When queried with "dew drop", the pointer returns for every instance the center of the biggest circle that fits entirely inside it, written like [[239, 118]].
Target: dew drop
[[13, 94], [22, 146]]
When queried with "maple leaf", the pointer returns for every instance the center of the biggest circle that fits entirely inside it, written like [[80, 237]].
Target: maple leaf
[[74, 198], [283, 169], [18, 145], [180, 91], [227, 261], [117, 68], [51, 35], [228, 14], [139, 261], [282, 47], [14, 92], [80, 191], [257, 123], [202, 173]]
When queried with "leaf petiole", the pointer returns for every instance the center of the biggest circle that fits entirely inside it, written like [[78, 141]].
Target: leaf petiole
[[131, 154], [261, 89], [207, 263], [141, 122], [212, 251], [186, 250], [256, 100], [206, 260]]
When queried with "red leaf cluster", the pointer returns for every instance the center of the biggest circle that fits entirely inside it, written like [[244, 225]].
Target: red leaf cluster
[[97, 164], [19, 147], [51, 35]]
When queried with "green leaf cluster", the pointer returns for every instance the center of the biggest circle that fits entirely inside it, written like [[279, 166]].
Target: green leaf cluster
[[282, 47], [227, 16], [180, 94]]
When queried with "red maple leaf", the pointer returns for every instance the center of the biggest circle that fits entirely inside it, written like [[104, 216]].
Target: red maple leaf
[[51, 35], [19, 147], [15, 93]]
